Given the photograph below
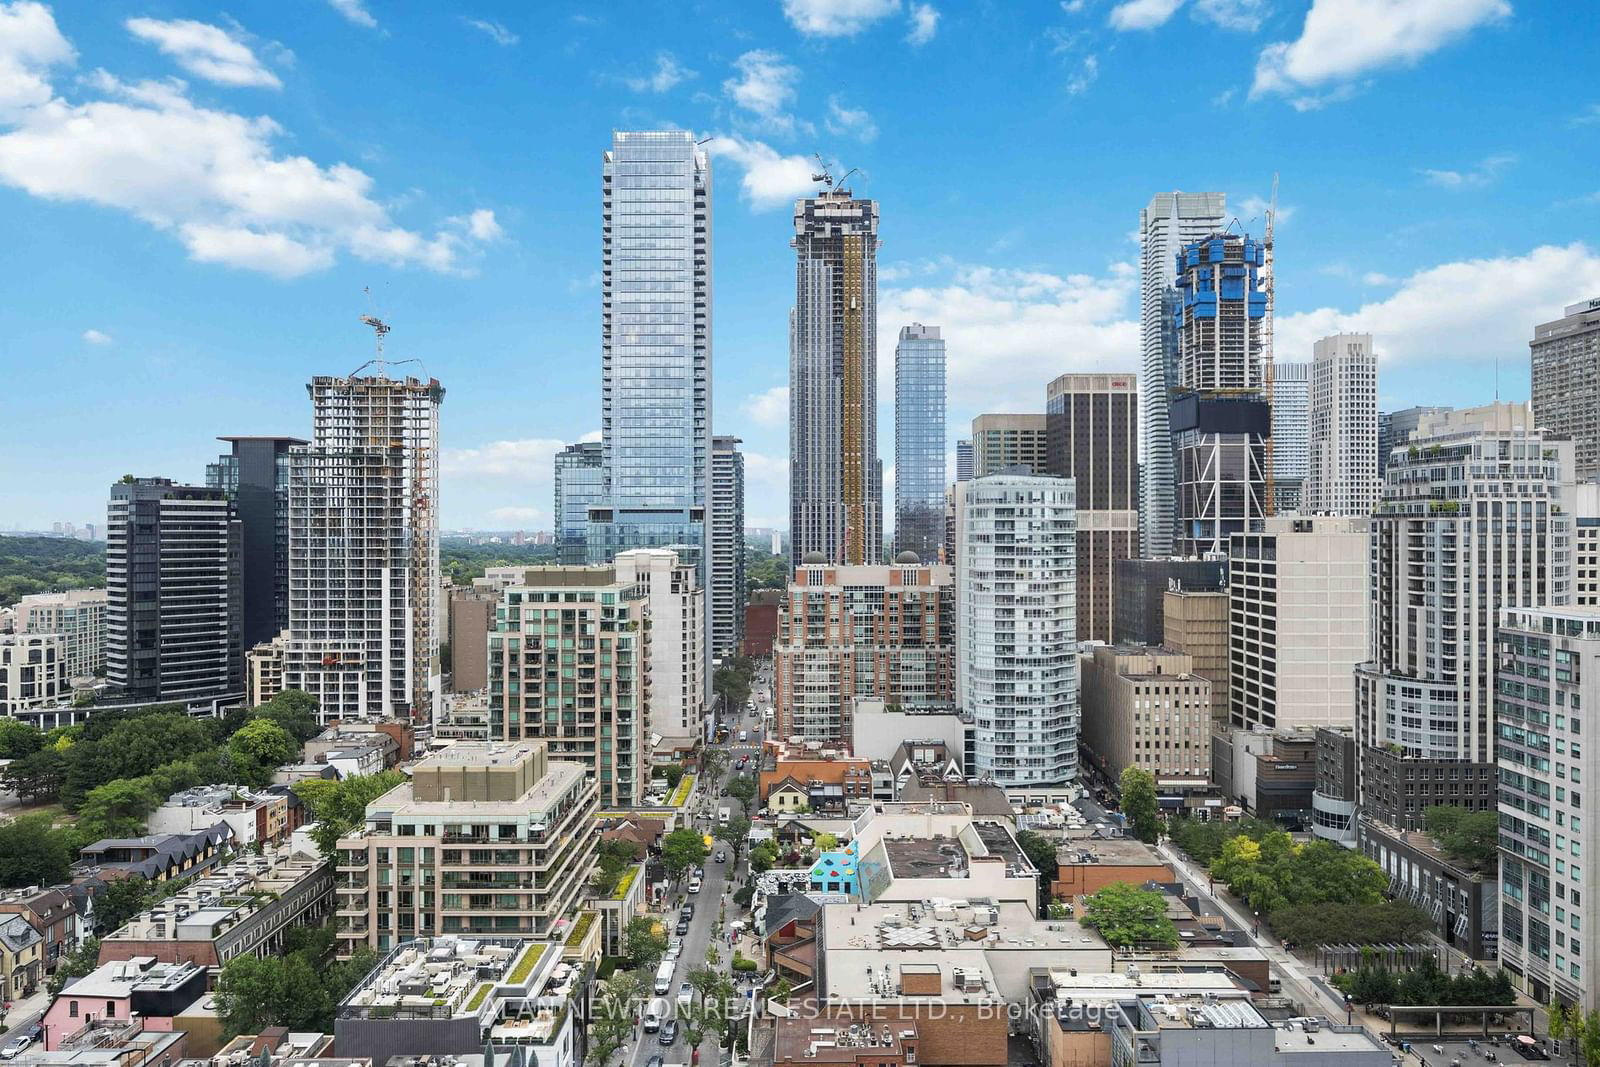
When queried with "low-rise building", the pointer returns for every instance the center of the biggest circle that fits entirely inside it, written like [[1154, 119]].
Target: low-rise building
[[1463, 903], [1085, 866], [33, 672], [1177, 1031], [823, 780], [242, 908], [487, 838], [116, 994], [52, 914], [155, 857], [254, 817], [21, 957], [1271, 774], [447, 996]]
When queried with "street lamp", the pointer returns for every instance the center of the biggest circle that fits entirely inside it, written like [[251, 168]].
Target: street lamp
[[1256, 931]]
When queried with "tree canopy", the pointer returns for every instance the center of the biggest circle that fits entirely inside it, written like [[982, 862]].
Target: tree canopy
[[681, 850], [341, 806], [1471, 838], [1127, 915], [34, 852], [1136, 790], [31, 565]]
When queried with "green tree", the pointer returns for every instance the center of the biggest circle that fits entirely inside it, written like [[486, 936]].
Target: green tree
[[713, 761], [732, 684], [253, 994], [293, 709], [339, 807], [31, 565], [119, 808], [1127, 915], [120, 901], [736, 834], [643, 942], [19, 739], [1137, 791], [1471, 838], [1041, 852], [34, 852], [259, 748], [742, 787], [612, 861], [613, 1014], [75, 964], [131, 748], [38, 776], [763, 857], [673, 773], [682, 850]]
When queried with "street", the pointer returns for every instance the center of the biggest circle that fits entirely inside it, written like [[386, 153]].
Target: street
[[716, 891]]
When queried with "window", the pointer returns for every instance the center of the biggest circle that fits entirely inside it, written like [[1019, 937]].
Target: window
[[72, 1010]]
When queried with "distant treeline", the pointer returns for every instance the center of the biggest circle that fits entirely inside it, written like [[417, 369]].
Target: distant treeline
[[48, 564]]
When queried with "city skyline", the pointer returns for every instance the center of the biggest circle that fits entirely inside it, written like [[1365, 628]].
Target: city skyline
[[232, 326]]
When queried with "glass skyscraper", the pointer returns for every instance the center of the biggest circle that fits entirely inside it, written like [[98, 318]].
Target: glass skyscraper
[[919, 474], [579, 484], [655, 392]]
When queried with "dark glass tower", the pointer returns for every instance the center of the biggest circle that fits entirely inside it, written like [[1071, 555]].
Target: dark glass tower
[[255, 475]]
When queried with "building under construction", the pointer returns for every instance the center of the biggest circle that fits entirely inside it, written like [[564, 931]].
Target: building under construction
[[1219, 414], [835, 476], [364, 549]]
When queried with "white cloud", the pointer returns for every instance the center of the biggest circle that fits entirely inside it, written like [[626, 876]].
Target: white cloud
[[1344, 39], [527, 460], [1589, 116], [1224, 98], [212, 178], [1084, 76], [481, 225], [1373, 277], [668, 73], [924, 24], [1473, 310], [836, 18], [1242, 15], [1008, 332], [497, 32], [1253, 211], [770, 408], [770, 180], [855, 122], [355, 11], [1476, 177], [95, 337], [205, 51], [592, 437], [765, 87], [30, 44], [1142, 14]]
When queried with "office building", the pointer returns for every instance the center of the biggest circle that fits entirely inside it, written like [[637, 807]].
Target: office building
[[32, 672], [1566, 381], [728, 583], [1145, 707], [1092, 437], [364, 550], [172, 591], [471, 621], [1548, 912], [1472, 523], [1195, 622], [568, 665], [484, 839], [79, 616], [1342, 476], [848, 634], [964, 459], [678, 694], [1167, 225], [255, 475], [1017, 444], [919, 471], [1219, 414], [1141, 587], [1291, 434], [1395, 428], [1298, 606], [580, 484], [835, 477], [1016, 626]]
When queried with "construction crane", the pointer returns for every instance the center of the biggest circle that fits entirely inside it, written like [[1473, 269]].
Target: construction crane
[[1269, 506], [825, 176]]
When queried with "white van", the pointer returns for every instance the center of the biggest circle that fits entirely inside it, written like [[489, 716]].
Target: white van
[[694, 884], [656, 1014], [664, 976]]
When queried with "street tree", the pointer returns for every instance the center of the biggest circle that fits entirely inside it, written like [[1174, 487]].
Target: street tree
[[681, 851], [742, 787], [644, 942], [1137, 789], [736, 834]]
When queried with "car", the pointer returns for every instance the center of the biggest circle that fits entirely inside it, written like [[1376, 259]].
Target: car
[[721, 856], [674, 948], [694, 885], [685, 995], [15, 1047], [687, 911], [669, 1034], [682, 927], [654, 1061]]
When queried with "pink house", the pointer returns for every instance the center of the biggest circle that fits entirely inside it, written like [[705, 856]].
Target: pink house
[[116, 993]]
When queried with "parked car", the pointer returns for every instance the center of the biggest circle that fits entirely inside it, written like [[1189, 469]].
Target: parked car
[[683, 927], [654, 1061], [688, 911], [15, 1047], [669, 1034], [685, 995], [694, 885]]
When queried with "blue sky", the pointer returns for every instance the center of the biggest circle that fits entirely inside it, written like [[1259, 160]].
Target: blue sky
[[195, 196]]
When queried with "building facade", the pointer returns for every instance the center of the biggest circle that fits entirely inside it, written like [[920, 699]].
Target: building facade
[[79, 616], [1195, 622], [1472, 522], [485, 838], [1343, 469], [728, 583], [32, 671], [364, 550], [172, 591], [919, 439], [1147, 708], [1169, 223], [849, 634], [580, 484], [655, 346], [1141, 588], [255, 475], [263, 670], [1014, 443], [1299, 620], [1092, 437], [964, 459], [1291, 434], [1396, 427], [1566, 381], [567, 666], [471, 620], [1016, 626], [835, 477], [1219, 415], [676, 665], [1547, 682]]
